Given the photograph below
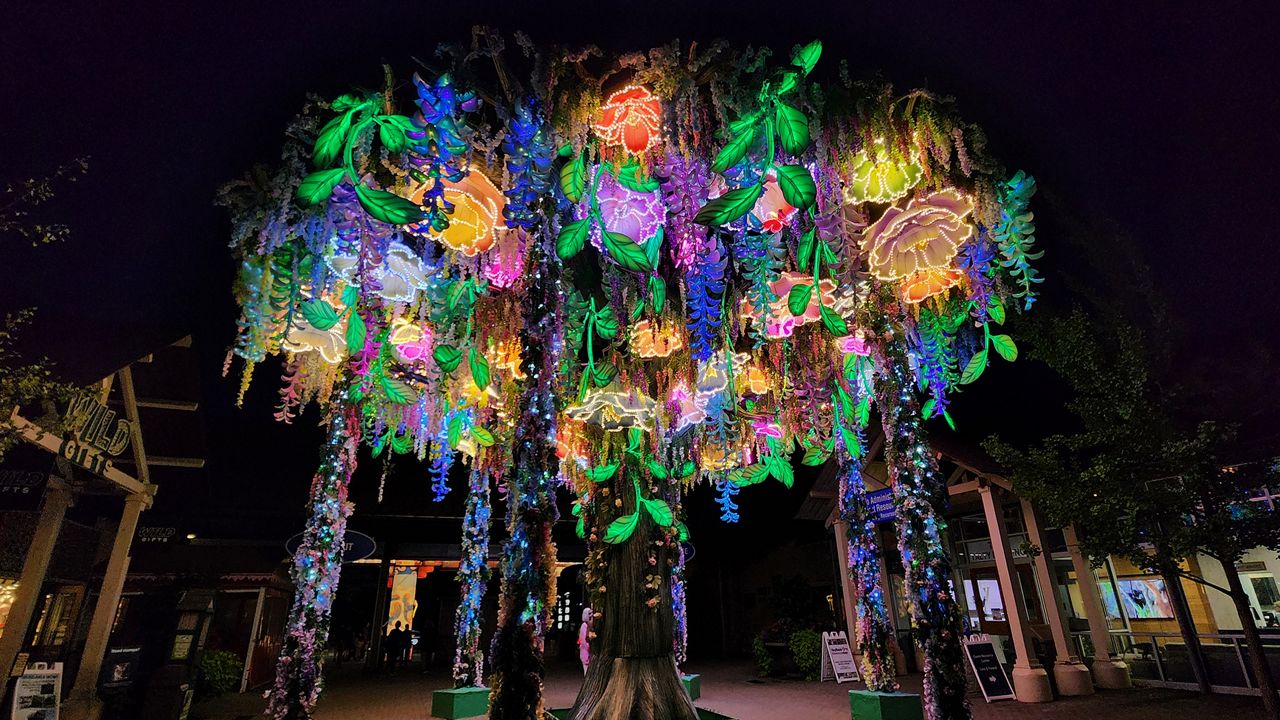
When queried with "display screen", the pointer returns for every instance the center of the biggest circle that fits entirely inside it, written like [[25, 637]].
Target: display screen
[[1145, 599]]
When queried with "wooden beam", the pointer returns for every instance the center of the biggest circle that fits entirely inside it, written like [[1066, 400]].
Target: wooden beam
[[159, 404], [168, 461], [973, 485], [131, 412]]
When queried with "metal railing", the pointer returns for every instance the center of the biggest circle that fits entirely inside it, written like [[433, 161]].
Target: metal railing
[[1162, 660]]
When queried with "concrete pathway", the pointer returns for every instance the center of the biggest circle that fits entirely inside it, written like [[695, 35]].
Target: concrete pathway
[[732, 689]]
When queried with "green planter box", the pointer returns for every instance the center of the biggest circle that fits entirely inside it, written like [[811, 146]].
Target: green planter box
[[692, 685], [460, 703], [703, 714], [869, 705]]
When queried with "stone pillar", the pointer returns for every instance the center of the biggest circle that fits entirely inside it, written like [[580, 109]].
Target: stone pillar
[[1071, 675], [1030, 681], [57, 498], [846, 583], [1108, 672], [83, 702]]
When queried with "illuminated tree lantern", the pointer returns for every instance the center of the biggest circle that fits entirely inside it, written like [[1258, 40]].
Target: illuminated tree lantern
[[615, 411], [638, 215], [756, 381], [330, 344], [464, 393], [401, 276], [767, 429], [923, 236], [505, 263], [772, 209], [655, 340], [855, 344], [690, 408], [713, 375], [477, 213], [781, 322], [874, 177], [507, 358], [412, 343], [571, 441], [922, 285], [632, 119], [715, 457]]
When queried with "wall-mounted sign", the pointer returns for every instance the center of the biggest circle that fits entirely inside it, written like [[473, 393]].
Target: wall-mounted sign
[[23, 476], [837, 658], [94, 434], [355, 546], [880, 503], [119, 667], [987, 668], [150, 534]]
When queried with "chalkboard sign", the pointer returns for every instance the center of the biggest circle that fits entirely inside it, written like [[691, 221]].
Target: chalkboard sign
[[987, 668]]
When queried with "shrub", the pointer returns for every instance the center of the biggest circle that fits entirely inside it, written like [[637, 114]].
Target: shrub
[[764, 661], [219, 673], [806, 650]]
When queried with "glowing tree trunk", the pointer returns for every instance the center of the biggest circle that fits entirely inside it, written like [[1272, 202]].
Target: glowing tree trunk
[[316, 567], [528, 578], [473, 572], [632, 673], [918, 497]]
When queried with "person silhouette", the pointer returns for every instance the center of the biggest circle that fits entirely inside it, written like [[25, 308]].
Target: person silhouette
[[584, 642], [395, 647]]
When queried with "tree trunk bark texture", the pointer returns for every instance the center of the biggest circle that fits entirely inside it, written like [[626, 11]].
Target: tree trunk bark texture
[[632, 674], [1257, 657], [1186, 625]]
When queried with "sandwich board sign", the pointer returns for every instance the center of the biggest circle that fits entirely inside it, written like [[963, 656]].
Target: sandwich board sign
[[987, 668], [837, 658], [36, 693]]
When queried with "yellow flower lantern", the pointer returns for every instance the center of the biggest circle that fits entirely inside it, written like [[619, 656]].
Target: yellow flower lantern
[[477, 213], [873, 177], [655, 340]]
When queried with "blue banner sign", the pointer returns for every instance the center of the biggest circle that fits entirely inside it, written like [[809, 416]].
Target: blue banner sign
[[880, 502]]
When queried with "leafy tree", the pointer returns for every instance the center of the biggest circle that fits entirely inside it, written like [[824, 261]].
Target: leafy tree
[[1133, 481], [25, 382]]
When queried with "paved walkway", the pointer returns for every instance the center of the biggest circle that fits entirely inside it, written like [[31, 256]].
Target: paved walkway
[[732, 689]]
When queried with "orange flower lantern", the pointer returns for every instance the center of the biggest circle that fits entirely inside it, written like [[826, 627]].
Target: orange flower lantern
[[919, 286], [631, 118]]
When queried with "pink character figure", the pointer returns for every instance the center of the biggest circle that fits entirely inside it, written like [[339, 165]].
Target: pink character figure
[[584, 643]]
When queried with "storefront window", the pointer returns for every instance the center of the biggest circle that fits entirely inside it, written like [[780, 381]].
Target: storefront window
[[8, 590], [1266, 598], [57, 617]]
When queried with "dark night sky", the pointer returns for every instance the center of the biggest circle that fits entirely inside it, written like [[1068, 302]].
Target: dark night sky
[[1157, 122]]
